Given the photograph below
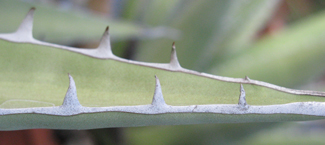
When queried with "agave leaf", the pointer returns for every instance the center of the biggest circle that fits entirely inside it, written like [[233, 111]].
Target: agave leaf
[[116, 92], [289, 58], [289, 134]]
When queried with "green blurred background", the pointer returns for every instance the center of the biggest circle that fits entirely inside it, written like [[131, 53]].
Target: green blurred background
[[276, 41]]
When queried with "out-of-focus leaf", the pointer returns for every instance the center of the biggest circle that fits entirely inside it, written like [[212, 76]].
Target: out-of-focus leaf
[[289, 58], [195, 134], [235, 134], [289, 134], [150, 12], [211, 31]]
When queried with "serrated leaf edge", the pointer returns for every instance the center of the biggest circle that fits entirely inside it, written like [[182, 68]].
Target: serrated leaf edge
[[71, 105]]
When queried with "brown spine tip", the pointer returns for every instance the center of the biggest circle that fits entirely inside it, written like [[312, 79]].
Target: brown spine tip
[[33, 8], [247, 78], [107, 28], [173, 45]]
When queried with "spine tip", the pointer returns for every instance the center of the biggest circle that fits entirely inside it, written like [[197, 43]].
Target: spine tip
[[107, 29], [173, 45]]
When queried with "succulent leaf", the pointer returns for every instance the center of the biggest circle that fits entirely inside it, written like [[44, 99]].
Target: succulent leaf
[[116, 92]]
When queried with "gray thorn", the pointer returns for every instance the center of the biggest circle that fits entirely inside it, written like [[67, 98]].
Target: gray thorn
[[26, 27], [242, 97], [105, 43], [158, 98], [71, 98], [173, 58]]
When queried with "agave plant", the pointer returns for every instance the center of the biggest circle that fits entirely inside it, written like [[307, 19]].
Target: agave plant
[[116, 92]]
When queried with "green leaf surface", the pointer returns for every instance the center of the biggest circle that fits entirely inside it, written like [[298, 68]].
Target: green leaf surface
[[40, 73], [33, 77], [33, 73]]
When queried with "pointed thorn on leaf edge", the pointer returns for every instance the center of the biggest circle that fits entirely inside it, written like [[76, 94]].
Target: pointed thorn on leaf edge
[[173, 45], [247, 78], [105, 44], [107, 28], [26, 27], [71, 98], [173, 58], [106, 33], [158, 99], [242, 97]]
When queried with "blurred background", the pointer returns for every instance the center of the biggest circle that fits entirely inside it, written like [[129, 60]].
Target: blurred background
[[276, 41]]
